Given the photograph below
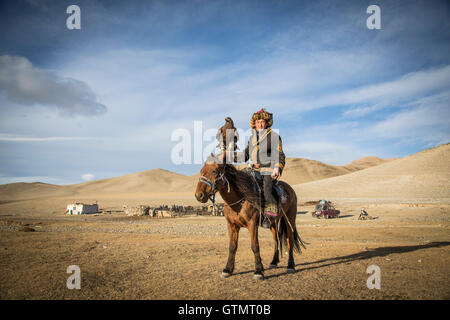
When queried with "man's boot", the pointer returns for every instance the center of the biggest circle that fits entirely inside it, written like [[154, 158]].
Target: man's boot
[[266, 222]]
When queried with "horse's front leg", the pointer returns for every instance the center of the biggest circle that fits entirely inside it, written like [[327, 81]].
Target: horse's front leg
[[233, 234], [259, 269]]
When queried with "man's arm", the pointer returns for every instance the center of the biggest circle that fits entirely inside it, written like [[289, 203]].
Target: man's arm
[[279, 166], [281, 156]]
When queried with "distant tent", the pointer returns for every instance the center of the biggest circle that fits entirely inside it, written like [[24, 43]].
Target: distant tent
[[81, 208]]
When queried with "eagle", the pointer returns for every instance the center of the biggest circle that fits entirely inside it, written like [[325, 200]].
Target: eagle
[[228, 137]]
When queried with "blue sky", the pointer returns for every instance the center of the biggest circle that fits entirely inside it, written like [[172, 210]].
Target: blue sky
[[103, 101]]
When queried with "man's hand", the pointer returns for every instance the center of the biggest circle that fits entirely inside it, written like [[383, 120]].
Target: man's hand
[[276, 173]]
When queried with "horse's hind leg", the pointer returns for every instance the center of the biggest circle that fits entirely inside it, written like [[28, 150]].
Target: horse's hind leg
[[233, 234], [291, 263], [291, 243], [276, 258]]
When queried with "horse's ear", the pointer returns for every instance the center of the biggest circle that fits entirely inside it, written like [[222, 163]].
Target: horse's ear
[[211, 159]]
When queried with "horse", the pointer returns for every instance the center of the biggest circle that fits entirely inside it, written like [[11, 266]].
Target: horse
[[242, 208]]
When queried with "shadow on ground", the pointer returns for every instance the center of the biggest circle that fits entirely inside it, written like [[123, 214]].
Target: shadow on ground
[[363, 255], [346, 216]]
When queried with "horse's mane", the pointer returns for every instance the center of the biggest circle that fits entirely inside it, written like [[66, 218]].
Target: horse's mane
[[245, 184]]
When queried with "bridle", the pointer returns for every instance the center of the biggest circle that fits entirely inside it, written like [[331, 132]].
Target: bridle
[[212, 184]]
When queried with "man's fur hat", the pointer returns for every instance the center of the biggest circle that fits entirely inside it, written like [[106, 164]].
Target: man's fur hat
[[261, 114]]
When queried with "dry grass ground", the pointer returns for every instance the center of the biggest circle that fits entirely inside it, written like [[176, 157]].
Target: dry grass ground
[[182, 258]]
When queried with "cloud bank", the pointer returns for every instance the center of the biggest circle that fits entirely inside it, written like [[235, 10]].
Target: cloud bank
[[24, 84]]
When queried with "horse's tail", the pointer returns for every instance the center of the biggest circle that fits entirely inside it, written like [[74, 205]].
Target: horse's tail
[[283, 235]]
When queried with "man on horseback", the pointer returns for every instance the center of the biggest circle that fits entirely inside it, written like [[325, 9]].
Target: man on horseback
[[265, 151], [241, 194]]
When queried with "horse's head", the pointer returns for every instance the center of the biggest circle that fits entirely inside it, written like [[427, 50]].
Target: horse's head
[[211, 175]]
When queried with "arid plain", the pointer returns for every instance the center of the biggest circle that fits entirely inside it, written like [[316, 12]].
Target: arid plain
[[123, 257]]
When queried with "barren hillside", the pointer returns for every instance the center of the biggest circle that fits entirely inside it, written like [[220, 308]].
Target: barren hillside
[[421, 177], [156, 180], [299, 170]]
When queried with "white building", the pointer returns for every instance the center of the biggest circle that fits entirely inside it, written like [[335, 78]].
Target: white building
[[81, 208]]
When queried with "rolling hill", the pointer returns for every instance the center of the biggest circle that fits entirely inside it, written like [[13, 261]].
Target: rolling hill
[[421, 177]]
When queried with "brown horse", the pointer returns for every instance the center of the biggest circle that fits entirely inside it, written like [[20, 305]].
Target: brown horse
[[242, 208]]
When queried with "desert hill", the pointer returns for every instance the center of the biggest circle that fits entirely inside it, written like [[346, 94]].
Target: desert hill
[[298, 170], [149, 181], [156, 180], [421, 177], [366, 162], [24, 190], [301, 170]]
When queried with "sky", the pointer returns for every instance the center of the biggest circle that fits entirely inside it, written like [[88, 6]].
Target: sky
[[111, 98]]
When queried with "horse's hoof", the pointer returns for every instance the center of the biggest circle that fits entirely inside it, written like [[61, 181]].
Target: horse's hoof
[[258, 276], [225, 274], [271, 266], [290, 270]]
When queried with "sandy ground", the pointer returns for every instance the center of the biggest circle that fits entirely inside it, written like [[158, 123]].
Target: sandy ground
[[181, 258]]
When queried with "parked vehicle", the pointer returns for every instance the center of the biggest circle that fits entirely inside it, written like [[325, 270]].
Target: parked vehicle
[[326, 211]]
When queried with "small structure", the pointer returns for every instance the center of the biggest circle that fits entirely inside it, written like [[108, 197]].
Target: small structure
[[81, 208]]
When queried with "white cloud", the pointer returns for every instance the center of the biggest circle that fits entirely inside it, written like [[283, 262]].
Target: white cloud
[[411, 86], [25, 84], [361, 111], [87, 176], [315, 147], [424, 118], [22, 138]]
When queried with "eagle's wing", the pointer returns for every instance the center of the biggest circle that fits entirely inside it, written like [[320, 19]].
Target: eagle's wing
[[219, 134], [236, 138], [219, 137]]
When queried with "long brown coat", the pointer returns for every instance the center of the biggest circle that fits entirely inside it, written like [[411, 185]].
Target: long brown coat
[[265, 148]]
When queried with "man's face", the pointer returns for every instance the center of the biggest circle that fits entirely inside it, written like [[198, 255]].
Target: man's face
[[260, 124]]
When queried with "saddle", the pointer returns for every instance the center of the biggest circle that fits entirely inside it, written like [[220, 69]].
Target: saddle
[[278, 192]]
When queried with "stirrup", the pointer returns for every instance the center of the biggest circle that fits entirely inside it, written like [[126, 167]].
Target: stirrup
[[271, 210], [271, 213]]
